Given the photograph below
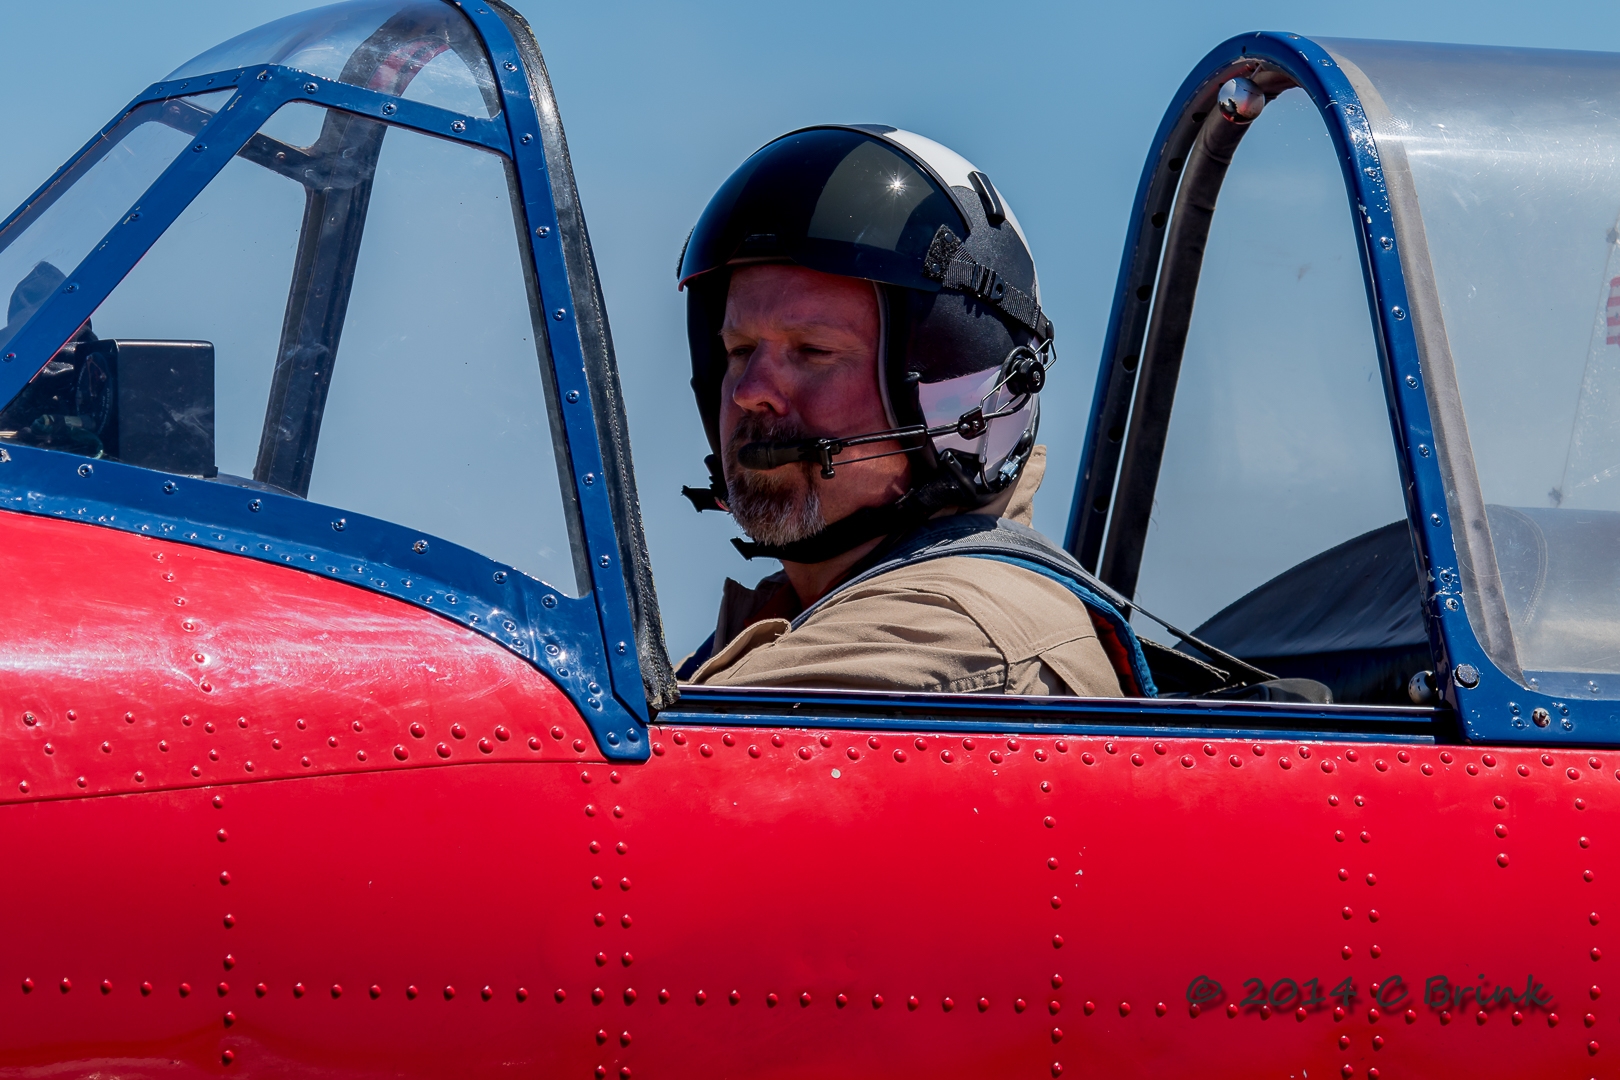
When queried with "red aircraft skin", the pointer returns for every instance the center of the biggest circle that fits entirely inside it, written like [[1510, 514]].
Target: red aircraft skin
[[233, 845]]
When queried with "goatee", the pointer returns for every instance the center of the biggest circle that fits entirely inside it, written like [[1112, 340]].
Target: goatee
[[777, 507]]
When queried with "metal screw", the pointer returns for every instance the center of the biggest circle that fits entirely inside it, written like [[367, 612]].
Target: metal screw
[[310, 88], [525, 140], [86, 469], [549, 600], [558, 314], [1468, 677], [1434, 519], [1386, 242], [255, 505], [603, 561], [420, 546], [1398, 312], [573, 396], [1411, 380], [169, 487], [544, 230], [1451, 603], [459, 126]]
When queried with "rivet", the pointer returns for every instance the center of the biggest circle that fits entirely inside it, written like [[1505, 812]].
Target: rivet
[[449, 992], [1124, 1008], [912, 1003], [1327, 765], [804, 752], [1040, 755], [734, 997], [1372, 916], [1597, 954], [899, 755], [442, 749], [1136, 759], [227, 1056], [826, 742], [948, 1004], [877, 1001], [1187, 761], [1057, 941], [1088, 759], [707, 751], [487, 992], [624, 883], [1572, 773], [995, 757], [185, 989], [1051, 864], [1344, 875], [984, 1004], [1054, 1006]]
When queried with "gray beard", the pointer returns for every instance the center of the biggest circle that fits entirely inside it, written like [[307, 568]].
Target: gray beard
[[769, 506]]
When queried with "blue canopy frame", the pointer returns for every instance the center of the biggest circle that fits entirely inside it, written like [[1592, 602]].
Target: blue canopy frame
[[1491, 705]]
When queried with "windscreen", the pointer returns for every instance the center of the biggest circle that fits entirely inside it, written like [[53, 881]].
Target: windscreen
[[422, 50], [1514, 160]]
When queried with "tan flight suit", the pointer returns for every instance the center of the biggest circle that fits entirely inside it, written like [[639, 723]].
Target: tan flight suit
[[953, 625]]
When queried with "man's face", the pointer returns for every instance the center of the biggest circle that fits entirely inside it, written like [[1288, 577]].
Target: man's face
[[802, 363]]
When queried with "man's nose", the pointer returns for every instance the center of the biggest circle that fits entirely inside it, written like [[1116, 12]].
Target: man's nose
[[762, 388]]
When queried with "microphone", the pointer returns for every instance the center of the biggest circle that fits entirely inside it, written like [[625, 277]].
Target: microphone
[[771, 455]]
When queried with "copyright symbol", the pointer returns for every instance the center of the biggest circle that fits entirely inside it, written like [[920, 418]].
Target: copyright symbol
[[1203, 990]]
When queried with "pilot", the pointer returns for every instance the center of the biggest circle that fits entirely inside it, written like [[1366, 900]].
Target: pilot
[[867, 351]]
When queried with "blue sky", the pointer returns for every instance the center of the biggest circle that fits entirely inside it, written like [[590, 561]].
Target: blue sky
[[1057, 102]]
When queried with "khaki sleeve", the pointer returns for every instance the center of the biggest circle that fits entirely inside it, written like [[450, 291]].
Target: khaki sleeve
[[955, 625], [881, 638]]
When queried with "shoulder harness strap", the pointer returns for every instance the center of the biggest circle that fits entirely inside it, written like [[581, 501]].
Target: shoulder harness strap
[[982, 536]]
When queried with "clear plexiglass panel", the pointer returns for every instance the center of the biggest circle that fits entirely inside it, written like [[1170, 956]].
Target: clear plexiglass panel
[[1514, 155], [1278, 529], [424, 50], [343, 315], [43, 247]]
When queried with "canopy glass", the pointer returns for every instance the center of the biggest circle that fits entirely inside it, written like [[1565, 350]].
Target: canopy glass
[[1503, 167]]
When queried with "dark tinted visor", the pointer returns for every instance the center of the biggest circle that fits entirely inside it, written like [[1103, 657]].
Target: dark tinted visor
[[831, 199]]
